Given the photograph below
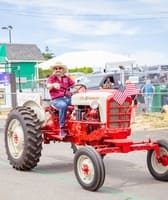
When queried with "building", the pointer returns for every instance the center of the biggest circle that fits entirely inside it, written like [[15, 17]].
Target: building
[[21, 59]]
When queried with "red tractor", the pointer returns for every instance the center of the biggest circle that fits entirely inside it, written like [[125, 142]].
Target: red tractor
[[96, 125]]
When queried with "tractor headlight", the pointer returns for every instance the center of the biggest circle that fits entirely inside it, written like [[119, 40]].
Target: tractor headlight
[[94, 104]]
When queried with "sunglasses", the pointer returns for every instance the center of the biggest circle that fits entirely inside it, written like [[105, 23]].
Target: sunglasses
[[58, 68]]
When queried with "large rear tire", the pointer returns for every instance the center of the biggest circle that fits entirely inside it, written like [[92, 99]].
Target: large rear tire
[[23, 139], [89, 168], [157, 169]]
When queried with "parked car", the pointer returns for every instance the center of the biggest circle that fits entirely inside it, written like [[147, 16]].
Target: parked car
[[77, 76], [157, 69], [96, 81]]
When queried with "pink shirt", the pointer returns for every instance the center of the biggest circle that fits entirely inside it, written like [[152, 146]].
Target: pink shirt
[[65, 83]]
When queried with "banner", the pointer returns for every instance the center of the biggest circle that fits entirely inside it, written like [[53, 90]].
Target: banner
[[5, 90]]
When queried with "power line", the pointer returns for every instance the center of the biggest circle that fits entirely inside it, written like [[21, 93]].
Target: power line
[[153, 16]]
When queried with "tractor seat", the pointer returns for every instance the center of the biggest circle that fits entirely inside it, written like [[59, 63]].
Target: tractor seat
[[69, 108]]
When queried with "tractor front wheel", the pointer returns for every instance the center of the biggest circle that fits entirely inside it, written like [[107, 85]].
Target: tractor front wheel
[[157, 168], [89, 168], [23, 139]]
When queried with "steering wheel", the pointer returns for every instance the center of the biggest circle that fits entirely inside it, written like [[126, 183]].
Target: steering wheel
[[78, 88]]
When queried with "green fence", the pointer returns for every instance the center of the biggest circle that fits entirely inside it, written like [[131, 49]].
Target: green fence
[[160, 98]]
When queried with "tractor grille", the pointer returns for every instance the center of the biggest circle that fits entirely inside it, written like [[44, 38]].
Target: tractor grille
[[119, 116]]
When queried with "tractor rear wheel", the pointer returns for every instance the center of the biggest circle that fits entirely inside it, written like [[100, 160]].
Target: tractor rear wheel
[[157, 169], [23, 139], [89, 168]]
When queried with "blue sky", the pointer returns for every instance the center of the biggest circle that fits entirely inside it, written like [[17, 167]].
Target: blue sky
[[138, 28]]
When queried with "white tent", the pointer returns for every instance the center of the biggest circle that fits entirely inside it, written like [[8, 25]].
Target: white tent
[[94, 59]]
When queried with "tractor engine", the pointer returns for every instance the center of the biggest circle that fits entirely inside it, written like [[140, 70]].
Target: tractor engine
[[86, 113]]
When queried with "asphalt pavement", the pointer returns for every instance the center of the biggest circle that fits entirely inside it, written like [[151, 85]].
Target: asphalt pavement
[[127, 176], [2, 123]]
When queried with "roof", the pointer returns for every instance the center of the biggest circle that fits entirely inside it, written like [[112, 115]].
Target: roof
[[23, 52], [88, 58]]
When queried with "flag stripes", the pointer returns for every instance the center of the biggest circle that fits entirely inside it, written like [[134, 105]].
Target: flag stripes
[[121, 94]]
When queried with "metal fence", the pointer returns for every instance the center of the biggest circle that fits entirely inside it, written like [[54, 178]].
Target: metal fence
[[160, 97]]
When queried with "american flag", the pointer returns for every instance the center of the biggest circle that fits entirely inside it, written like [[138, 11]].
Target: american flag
[[121, 94], [132, 89]]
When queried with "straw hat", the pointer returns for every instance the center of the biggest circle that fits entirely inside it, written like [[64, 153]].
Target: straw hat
[[58, 64]]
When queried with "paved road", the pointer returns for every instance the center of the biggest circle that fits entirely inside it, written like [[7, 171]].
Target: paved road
[[127, 176]]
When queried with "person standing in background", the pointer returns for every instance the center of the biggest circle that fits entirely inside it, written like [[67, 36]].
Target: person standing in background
[[148, 91]]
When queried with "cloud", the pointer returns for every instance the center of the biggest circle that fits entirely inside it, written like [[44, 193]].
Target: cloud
[[73, 6], [152, 1], [76, 17], [75, 45], [57, 41], [91, 27], [96, 46], [117, 26], [148, 57]]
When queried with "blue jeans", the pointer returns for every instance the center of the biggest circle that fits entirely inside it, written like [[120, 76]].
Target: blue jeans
[[148, 103], [62, 103]]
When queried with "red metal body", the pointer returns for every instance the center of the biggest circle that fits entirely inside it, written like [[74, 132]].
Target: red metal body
[[109, 137]]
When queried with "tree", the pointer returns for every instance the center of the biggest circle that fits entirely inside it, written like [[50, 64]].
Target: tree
[[44, 73], [47, 54], [85, 70]]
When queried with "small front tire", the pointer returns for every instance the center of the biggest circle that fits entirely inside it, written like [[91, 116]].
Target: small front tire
[[89, 168], [156, 168]]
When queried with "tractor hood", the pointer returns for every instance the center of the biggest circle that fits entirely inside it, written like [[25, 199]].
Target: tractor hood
[[86, 98], [94, 97]]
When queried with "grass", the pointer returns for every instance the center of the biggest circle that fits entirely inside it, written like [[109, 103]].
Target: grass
[[151, 121]]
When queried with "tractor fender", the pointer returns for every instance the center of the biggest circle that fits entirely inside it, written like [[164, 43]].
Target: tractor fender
[[38, 109]]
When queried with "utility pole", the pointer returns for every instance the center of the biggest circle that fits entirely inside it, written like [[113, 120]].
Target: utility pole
[[9, 28]]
